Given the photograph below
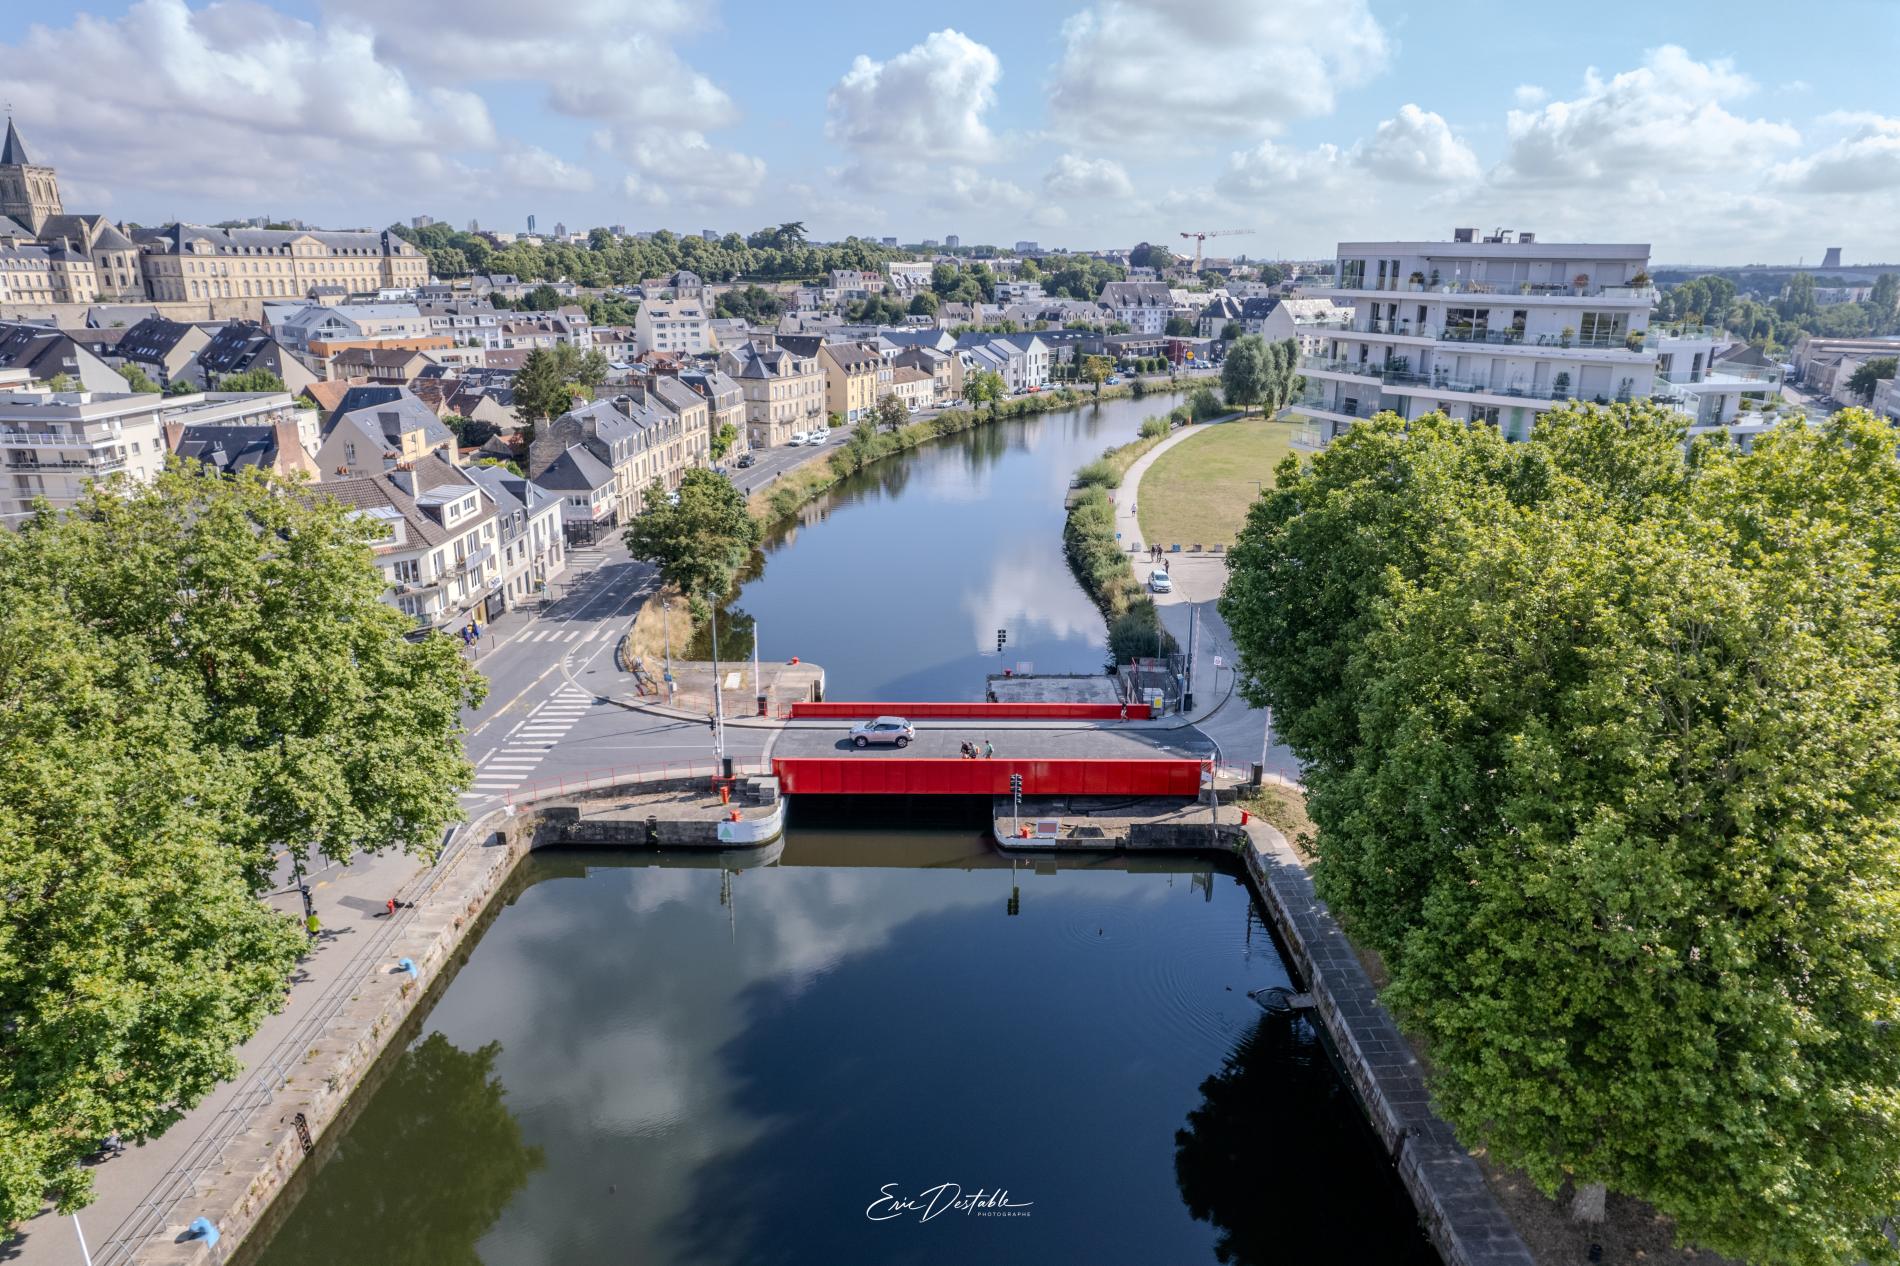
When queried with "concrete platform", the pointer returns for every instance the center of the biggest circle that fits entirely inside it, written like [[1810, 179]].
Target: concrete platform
[[1054, 688]]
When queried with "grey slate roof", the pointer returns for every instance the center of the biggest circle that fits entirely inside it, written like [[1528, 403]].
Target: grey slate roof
[[380, 492], [15, 151], [575, 470], [229, 448], [152, 339], [234, 349], [394, 411]]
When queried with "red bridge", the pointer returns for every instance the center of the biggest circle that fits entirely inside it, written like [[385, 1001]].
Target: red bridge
[[1084, 750]]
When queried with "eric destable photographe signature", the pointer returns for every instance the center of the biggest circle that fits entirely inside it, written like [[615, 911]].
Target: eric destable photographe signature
[[945, 1198]]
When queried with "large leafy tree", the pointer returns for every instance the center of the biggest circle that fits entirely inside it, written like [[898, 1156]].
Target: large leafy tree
[[194, 676], [983, 386], [698, 542], [266, 606], [1864, 379], [1245, 374], [133, 955], [1600, 741], [251, 380]]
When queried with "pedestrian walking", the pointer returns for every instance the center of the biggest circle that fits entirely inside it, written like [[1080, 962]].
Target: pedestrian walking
[[989, 749], [1124, 709]]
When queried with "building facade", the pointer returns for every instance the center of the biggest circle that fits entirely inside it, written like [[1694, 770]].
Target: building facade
[[1492, 331]]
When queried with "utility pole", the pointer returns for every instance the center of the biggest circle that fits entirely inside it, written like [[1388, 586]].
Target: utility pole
[[756, 692], [84, 1252], [719, 700], [1187, 692]]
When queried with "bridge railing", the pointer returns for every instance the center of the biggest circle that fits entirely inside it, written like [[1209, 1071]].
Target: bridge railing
[[951, 776], [614, 775], [847, 709]]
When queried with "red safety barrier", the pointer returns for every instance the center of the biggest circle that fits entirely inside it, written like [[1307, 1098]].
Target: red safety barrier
[[981, 711], [941, 776]]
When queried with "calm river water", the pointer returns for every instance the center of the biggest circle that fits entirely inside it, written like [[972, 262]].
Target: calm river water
[[897, 580], [651, 1060]]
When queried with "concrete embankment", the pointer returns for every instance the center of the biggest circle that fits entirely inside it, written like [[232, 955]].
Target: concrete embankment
[[1456, 1208], [236, 1190]]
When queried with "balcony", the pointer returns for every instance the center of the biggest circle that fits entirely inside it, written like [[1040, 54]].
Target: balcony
[[48, 439], [1516, 391], [1464, 286], [1324, 364], [1353, 408]]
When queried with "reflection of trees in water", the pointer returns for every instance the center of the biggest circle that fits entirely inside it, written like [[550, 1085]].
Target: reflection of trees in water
[[1278, 1157], [421, 1175], [735, 640]]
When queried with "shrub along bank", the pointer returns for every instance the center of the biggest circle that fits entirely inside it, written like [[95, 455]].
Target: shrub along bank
[[1100, 563]]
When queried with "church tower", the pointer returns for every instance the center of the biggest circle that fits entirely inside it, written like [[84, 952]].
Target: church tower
[[28, 192]]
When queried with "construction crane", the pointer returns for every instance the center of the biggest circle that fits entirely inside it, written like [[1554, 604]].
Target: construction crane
[[1202, 237]]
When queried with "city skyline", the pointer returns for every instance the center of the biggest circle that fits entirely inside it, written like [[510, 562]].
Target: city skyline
[[1093, 125]]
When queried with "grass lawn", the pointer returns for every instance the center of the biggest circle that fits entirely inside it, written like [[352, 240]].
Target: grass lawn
[[1199, 490]]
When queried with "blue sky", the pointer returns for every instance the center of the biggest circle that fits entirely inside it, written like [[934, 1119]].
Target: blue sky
[[1732, 132]]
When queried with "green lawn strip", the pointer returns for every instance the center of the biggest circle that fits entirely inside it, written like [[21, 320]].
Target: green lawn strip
[[1198, 491]]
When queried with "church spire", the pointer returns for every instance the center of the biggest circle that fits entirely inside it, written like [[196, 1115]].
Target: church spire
[[15, 152]]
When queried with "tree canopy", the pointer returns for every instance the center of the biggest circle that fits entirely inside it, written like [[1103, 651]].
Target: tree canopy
[[251, 380], [1599, 739], [195, 676], [700, 542], [1868, 376]]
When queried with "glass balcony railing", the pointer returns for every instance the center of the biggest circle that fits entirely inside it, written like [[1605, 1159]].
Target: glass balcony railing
[[1339, 365], [1467, 286], [1347, 406], [1513, 390]]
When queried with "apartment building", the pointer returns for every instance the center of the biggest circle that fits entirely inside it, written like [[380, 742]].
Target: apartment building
[[679, 326], [783, 392], [53, 444], [852, 379], [1493, 331], [374, 429], [637, 441], [1144, 306], [725, 404], [191, 261], [439, 551], [528, 522]]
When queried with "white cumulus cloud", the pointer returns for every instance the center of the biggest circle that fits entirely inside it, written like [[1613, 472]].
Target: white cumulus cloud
[[1668, 116], [1418, 148], [1864, 161], [1144, 69], [930, 99], [1074, 176], [535, 168]]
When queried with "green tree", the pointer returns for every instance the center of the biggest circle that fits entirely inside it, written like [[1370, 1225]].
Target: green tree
[[723, 440], [1598, 738], [891, 413], [251, 380], [700, 542], [1096, 369], [470, 432], [62, 382], [542, 298], [1885, 302], [181, 387], [1863, 380], [983, 386], [542, 390], [136, 379], [133, 954], [923, 303], [1245, 376]]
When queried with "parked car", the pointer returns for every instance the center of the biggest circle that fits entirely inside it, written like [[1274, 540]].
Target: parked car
[[1113, 380], [745, 460], [797, 440], [1159, 581], [894, 730]]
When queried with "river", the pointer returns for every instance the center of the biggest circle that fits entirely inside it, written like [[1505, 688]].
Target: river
[[897, 580], [650, 1060]]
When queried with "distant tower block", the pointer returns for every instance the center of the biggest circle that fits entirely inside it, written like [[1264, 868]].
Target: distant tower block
[[1833, 258]]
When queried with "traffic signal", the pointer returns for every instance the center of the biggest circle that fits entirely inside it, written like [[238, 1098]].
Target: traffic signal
[[1002, 636], [1016, 785]]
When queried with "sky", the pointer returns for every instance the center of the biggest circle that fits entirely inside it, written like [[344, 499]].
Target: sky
[[1732, 132]]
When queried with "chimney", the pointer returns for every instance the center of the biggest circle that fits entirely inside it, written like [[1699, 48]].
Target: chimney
[[290, 454], [1525, 239], [405, 479], [174, 432], [1463, 235]]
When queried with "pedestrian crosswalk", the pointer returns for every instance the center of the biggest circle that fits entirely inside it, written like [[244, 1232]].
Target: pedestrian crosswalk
[[528, 743], [562, 635]]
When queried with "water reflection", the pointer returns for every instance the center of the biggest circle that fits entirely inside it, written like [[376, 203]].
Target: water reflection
[[725, 1067], [1263, 1157], [424, 1171]]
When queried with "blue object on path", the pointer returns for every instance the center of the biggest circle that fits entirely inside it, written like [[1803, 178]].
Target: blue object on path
[[201, 1229], [408, 965]]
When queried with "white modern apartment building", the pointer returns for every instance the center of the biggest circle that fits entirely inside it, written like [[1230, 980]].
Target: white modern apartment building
[[53, 444], [679, 326], [1496, 330]]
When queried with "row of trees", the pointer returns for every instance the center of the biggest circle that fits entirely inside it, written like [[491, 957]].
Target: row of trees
[[1600, 738], [780, 253], [1777, 321], [1259, 372], [196, 676]]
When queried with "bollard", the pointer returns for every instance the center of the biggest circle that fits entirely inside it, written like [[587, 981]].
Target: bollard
[[762, 703], [1244, 817], [725, 793], [733, 816]]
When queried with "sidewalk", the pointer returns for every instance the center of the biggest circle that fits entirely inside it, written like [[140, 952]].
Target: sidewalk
[[135, 1191]]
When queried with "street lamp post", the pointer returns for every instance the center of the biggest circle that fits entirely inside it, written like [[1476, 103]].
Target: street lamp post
[[719, 701], [666, 624]]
